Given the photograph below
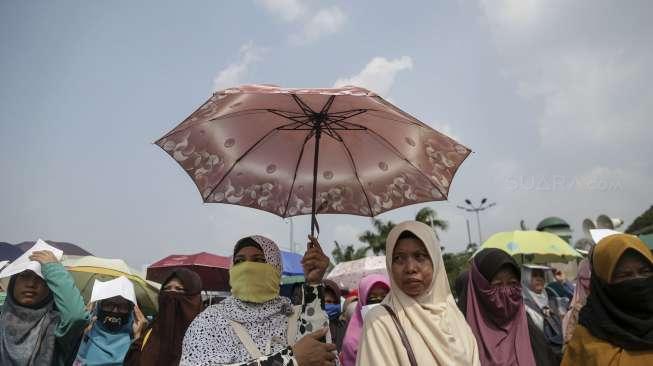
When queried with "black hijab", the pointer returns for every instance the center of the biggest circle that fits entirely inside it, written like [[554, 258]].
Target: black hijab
[[619, 313]]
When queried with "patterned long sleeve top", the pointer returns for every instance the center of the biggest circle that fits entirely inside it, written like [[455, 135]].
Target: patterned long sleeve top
[[211, 340]]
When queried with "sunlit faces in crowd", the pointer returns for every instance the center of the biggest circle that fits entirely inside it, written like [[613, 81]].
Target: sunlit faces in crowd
[[115, 312], [537, 281], [377, 294], [174, 285], [630, 266], [505, 277], [30, 289], [249, 254], [412, 268], [330, 297]]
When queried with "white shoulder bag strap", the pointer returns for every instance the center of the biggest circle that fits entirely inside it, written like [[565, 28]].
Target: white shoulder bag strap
[[291, 334], [245, 338]]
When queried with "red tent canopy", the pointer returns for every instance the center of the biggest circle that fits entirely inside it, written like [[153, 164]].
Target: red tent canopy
[[212, 268]]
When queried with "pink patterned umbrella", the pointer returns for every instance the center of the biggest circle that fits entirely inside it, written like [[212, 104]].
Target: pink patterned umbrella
[[348, 274], [306, 151]]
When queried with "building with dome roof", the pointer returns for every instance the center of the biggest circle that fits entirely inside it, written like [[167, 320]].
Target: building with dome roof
[[557, 226]]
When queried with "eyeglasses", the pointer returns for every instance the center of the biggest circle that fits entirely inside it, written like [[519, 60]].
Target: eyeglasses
[[111, 306], [374, 300]]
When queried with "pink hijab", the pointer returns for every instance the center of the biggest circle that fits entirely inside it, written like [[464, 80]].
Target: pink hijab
[[581, 292], [355, 327], [496, 314]]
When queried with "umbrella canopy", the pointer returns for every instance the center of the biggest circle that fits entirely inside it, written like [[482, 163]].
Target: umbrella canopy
[[86, 270], [9, 252], [648, 240], [212, 269], [306, 151], [348, 274], [531, 246], [69, 249], [293, 272]]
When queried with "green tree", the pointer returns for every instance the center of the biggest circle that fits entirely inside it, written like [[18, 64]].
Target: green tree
[[428, 216], [456, 263], [643, 224], [375, 239], [348, 253]]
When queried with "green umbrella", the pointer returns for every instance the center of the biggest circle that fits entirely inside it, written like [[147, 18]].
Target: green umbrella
[[532, 246], [648, 240], [85, 270]]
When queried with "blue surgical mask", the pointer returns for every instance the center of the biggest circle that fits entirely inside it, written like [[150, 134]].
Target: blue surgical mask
[[332, 310]]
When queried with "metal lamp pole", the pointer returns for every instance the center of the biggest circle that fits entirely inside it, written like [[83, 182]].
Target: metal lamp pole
[[476, 209]]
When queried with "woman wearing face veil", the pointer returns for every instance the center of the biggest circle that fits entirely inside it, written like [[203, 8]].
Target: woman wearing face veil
[[421, 299], [372, 290], [180, 301], [256, 326], [494, 309], [117, 320], [615, 326]]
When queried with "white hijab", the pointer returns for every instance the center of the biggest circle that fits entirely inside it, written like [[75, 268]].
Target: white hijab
[[436, 329]]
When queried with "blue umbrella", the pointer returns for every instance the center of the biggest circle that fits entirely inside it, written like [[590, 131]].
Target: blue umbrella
[[292, 268], [9, 252]]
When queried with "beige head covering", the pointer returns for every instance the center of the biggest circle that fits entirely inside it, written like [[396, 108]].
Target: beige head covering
[[436, 329]]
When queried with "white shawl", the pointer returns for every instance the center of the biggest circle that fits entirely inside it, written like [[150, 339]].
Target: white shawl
[[436, 329]]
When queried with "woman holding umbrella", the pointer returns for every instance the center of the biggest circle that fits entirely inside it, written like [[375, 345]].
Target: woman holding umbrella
[[255, 325]]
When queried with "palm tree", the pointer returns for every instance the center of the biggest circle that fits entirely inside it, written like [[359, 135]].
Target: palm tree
[[428, 216], [348, 253], [376, 240]]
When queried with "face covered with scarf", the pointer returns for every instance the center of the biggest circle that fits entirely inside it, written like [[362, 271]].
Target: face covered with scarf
[[180, 301], [256, 272], [332, 296], [114, 313], [495, 310], [619, 308]]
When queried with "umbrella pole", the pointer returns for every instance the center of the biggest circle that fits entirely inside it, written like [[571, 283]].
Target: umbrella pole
[[318, 135]]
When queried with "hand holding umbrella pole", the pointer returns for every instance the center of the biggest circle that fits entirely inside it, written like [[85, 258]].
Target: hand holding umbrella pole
[[315, 262]]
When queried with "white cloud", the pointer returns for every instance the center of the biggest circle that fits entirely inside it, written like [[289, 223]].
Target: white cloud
[[323, 23], [378, 75], [347, 234], [444, 128], [287, 10], [590, 81], [314, 23], [512, 13], [233, 74]]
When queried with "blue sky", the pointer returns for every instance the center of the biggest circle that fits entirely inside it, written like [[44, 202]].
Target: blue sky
[[554, 98]]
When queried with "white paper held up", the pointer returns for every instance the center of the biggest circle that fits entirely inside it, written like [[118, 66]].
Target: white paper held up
[[23, 262], [120, 286]]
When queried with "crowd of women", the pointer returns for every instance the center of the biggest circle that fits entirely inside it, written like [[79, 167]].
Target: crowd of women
[[502, 313]]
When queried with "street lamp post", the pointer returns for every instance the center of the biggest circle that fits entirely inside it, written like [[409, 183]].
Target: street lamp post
[[476, 209]]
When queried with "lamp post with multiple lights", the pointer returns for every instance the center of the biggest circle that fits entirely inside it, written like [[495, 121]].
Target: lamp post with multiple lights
[[476, 209]]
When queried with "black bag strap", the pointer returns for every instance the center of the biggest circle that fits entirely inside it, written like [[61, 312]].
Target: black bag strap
[[402, 335]]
